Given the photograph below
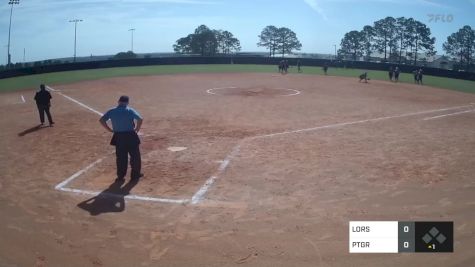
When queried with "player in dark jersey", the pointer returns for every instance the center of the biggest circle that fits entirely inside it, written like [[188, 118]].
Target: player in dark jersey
[[390, 73], [396, 74], [43, 102], [416, 76], [325, 68], [299, 66], [364, 77], [420, 75]]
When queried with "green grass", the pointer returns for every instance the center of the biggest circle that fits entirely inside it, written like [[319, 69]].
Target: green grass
[[33, 81]]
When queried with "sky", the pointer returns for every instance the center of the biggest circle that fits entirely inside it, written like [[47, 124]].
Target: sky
[[43, 30]]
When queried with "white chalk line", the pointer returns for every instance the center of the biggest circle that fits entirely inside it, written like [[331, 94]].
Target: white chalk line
[[336, 125], [450, 114], [295, 92], [76, 101], [77, 174], [132, 197], [62, 186], [210, 91], [200, 195]]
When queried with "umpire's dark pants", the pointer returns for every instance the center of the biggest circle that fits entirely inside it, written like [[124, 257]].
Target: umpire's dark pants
[[42, 109], [127, 143]]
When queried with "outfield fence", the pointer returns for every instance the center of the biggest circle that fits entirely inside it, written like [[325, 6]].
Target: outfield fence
[[187, 60]]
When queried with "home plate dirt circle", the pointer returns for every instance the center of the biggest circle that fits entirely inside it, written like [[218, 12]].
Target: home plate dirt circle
[[252, 91]]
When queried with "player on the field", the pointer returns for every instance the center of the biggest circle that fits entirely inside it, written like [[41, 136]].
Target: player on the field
[[416, 76], [420, 75], [325, 68], [299, 66], [364, 77], [396, 74], [43, 102], [390, 73]]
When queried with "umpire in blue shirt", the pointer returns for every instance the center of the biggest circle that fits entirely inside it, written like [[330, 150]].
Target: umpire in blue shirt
[[126, 123]]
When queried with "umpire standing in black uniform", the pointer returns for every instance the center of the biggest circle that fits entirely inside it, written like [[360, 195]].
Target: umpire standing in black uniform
[[126, 123], [43, 102]]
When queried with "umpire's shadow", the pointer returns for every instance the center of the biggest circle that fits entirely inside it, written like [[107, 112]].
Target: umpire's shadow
[[109, 200]]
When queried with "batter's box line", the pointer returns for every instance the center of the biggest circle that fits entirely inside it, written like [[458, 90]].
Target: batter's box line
[[62, 187]]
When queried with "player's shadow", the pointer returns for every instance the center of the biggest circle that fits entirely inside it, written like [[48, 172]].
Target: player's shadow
[[109, 200], [31, 130]]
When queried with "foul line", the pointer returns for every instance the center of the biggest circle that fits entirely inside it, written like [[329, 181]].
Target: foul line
[[75, 101], [200, 195], [450, 114], [358, 122]]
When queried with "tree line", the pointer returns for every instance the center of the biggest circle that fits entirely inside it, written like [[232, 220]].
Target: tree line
[[404, 39], [208, 42], [398, 39], [461, 45]]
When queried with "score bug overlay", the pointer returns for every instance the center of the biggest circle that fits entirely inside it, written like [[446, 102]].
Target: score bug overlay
[[400, 236]]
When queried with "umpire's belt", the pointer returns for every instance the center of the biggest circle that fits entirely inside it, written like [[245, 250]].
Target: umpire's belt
[[125, 139]]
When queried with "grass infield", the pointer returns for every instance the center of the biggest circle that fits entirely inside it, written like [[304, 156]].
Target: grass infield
[[33, 81]]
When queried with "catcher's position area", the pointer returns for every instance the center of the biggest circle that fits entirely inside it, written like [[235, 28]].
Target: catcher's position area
[[256, 169]]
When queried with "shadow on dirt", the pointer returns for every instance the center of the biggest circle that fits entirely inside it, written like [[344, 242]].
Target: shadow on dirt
[[109, 200], [31, 130]]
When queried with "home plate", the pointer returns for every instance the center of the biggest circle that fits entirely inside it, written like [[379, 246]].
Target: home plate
[[176, 148]]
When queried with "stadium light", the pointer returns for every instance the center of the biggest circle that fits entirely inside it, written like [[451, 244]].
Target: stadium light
[[75, 34], [132, 31], [335, 50], [9, 57]]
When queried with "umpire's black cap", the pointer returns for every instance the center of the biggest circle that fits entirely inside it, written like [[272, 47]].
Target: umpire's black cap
[[124, 99]]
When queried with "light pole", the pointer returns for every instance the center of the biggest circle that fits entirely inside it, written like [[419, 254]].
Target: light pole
[[335, 50], [132, 31], [75, 34], [11, 2]]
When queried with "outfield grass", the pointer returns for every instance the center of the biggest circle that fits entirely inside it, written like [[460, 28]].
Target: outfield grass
[[32, 81]]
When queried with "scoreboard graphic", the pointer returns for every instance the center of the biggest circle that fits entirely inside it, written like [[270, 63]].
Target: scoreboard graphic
[[401, 237]]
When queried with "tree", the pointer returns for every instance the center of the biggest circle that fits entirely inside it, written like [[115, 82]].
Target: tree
[[183, 45], [268, 39], [384, 35], [227, 43], [125, 55], [461, 45], [420, 39], [368, 36], [287, 41], [352, 44], [206, 41], [402, 35]]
